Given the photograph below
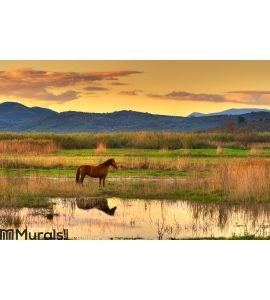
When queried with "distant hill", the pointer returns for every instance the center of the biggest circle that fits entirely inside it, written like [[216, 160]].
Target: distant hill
[[232, 111], [196, 114], [14, 115], [19, 118]]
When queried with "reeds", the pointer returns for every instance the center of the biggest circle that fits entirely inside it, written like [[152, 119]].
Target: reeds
[[124, 163], [233, 181], [18, 191], [30, 192], [220, 149], [146, 140], [244, 180], [101, 148], [18, 162], [142, 140], [179, 164], [28, 146], [256, 151]]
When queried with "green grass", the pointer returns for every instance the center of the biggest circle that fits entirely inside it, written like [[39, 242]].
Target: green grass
[[23, 199], [135, 191], [155, 153], [70, 172], [144, 140], [206, 157]]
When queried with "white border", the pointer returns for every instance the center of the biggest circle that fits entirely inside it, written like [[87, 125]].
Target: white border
[[135, 270], [119, 29]]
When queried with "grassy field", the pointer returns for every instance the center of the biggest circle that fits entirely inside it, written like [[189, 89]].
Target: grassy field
[[131, 162], [208, 174], [147, 140]]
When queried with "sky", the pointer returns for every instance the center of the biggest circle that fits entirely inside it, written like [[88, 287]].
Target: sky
[[160, 87]]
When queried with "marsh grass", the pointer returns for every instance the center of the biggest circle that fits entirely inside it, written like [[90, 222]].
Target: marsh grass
[[246, 180], [220, 150], [28, 146], [256, 151], [10, 217], [238, 180], [233, 181], [101, 148], [164, 149], [143, 140], [33, 192], [9, 161], [186, 151], [124, 163]]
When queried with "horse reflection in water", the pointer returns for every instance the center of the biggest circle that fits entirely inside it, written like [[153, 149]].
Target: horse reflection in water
[[100, 204]]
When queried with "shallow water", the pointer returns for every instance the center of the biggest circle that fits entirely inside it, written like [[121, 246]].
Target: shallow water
[[116, 218]]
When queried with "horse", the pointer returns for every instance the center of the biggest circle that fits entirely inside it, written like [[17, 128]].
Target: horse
[[100, 204], [100, 171]]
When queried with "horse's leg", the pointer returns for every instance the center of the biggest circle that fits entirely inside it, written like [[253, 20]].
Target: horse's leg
[[100, 182], [82, 178], [104, 181]]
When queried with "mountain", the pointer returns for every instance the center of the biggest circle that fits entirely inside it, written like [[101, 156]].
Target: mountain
[[19, 118], [232, 111], [15, 111], [196, 114]]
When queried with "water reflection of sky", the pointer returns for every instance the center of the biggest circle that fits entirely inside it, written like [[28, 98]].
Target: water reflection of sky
[[148, 219]]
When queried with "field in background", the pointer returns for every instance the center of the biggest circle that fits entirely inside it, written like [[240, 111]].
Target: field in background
[[28, 146], [149, 140], [193, 166]]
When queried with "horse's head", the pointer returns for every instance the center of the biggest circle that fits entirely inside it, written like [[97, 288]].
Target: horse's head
[[113, 163], [112, 211]]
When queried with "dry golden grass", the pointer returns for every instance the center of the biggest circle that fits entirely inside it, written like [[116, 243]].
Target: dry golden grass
[[260, 145], [28, 146], [244, 180], [220, 149], [164, 149], [14, 190], [186, 151], [101, 148], [179, 164], [34, 162], [146, 140], [256, 151], [239, 181], [124, 163]]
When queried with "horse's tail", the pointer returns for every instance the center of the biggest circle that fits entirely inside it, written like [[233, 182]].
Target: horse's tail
[[78, 175]]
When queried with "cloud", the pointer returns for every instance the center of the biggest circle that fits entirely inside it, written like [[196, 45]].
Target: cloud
[[255, 97], [250, 92], [131, 93], [44, 95], [95, 88], [186, 96], [38, 84], [249, 97], [119, 83]]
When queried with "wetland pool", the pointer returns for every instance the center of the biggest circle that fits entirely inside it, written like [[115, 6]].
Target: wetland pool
[[115, 218]]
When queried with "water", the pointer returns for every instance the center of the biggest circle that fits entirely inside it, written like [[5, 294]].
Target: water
[[116, 218]]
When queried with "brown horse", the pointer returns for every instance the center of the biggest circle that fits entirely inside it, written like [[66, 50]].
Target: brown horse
[[100, 171]]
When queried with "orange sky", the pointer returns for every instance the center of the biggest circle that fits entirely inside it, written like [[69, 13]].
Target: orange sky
[[161, 87]]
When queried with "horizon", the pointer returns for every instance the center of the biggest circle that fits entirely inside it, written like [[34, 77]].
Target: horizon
[[173, 88], [129, 110]]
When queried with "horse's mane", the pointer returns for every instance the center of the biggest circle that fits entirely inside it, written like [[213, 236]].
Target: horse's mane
[[107, 162]]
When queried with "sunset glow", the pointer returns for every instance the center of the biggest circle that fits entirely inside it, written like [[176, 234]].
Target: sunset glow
[[159, 87]]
